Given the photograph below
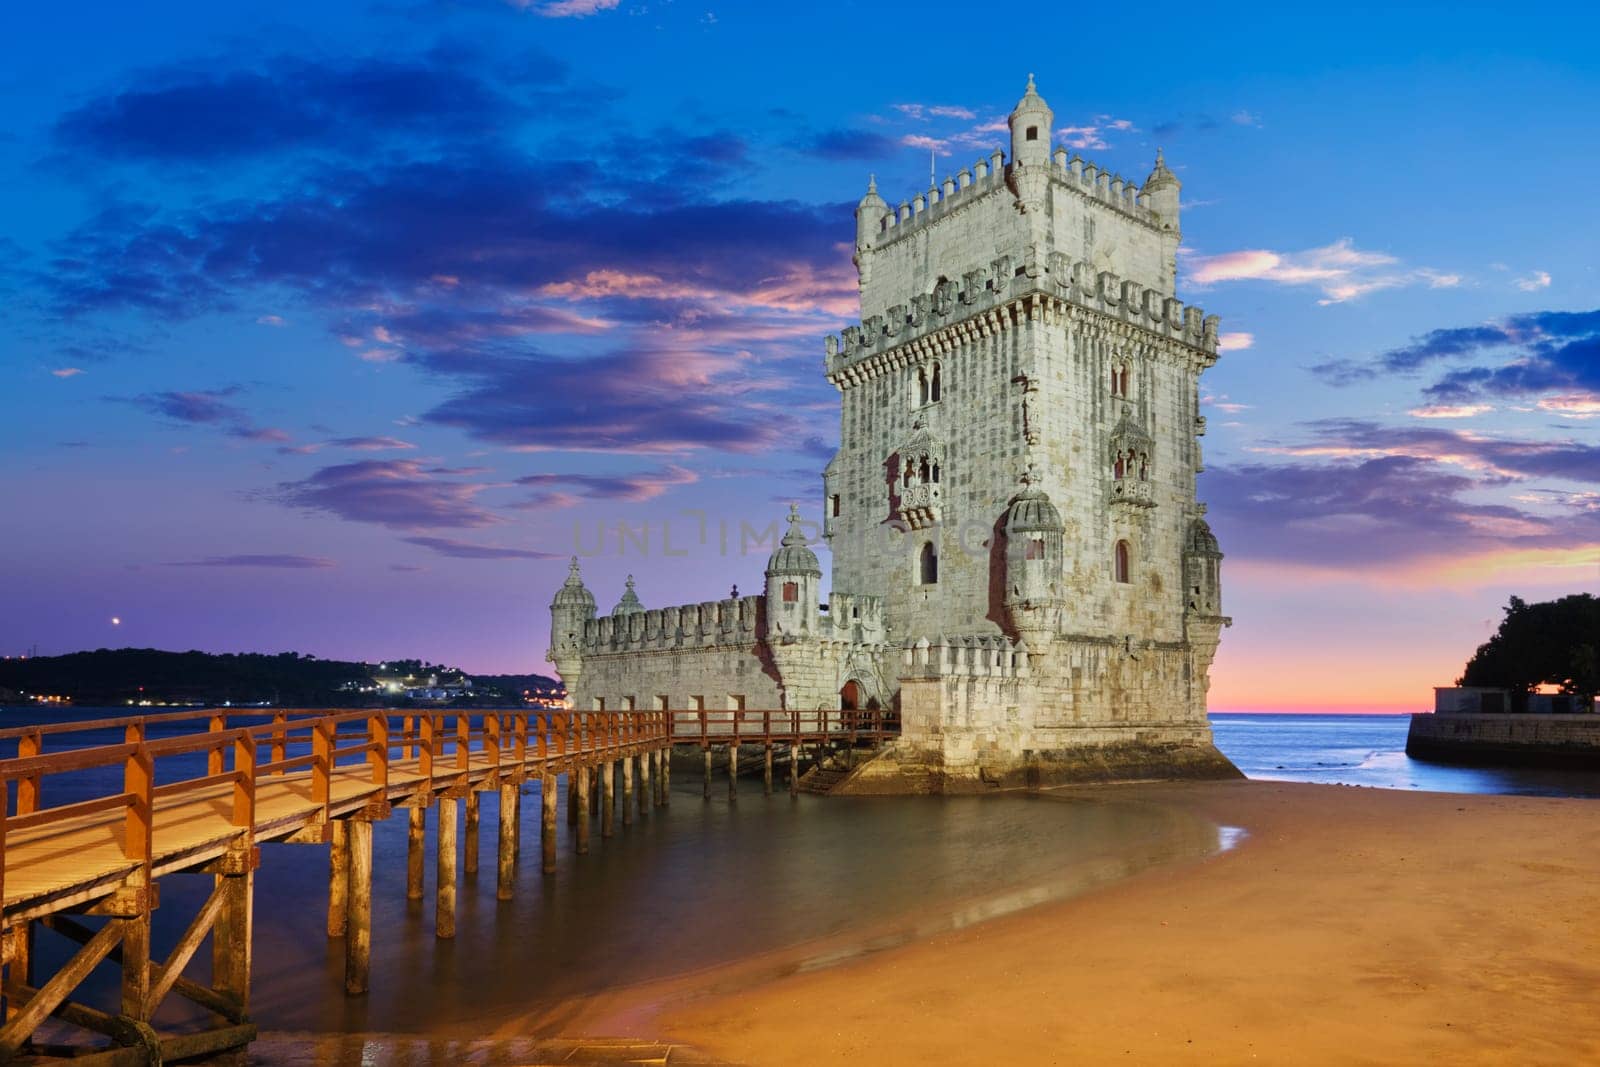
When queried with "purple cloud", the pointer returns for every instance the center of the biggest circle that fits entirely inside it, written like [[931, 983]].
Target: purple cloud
[[274, 561], [396, 493], [560, 489], [185, 114], [446, 546]]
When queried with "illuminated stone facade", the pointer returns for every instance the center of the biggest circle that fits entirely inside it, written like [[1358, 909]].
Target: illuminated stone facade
[[1020, 564]]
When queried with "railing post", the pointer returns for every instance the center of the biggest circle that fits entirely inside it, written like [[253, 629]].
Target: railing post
[[491, 740], [216, 754], [463, 745], [244, 781], [378, 750], [408, 736], [322, 739], [30, 788], [280, 741], [428, 732], [138, 783]]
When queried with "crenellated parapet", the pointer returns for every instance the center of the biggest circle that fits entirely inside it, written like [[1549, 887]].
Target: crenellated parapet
[[979, 656], [1074, 173], [730, 621], [991, 300]]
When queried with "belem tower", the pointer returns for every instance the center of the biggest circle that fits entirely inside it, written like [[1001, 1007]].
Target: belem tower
[[1020, 564]]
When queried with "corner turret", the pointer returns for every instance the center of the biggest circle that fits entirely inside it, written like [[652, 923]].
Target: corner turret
[[793, 578], [869, 220], [1034, 554], [571, 609], [1030, 123], [1160, 192]]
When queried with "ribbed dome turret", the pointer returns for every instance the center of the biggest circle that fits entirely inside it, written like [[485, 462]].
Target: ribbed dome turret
[[572, 593], [1202, 542], [792, 556], [1032, 512], [629, 604], [1161, 177]]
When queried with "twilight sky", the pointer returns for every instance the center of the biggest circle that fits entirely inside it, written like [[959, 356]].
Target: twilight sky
[[327, 326]]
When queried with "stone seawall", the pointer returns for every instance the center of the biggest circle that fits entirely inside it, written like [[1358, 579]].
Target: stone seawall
[[1509, 739]]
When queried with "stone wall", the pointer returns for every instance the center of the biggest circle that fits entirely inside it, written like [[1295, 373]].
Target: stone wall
[[1509, 739]]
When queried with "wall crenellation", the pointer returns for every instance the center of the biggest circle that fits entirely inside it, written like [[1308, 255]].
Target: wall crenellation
[[1076, 173], [983, 292], [712, 622]]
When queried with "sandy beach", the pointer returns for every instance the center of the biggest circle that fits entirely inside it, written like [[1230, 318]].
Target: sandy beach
[[1349, 926]]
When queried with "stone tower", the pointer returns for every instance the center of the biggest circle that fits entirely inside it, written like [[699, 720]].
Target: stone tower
[[1016, 473]]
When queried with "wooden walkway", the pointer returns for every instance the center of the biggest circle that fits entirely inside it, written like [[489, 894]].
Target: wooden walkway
[[310, 777]]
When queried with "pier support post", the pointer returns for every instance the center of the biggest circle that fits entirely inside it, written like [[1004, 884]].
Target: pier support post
[[416, 848], [707, 751], [627, 790], [338, 876], [572, 796], [230, 934], [469, 846], [510, 811], [608, 799], [733, 773], [444, 912], [644, 784], [794, 769], [358, 932], [766, 774], [547, 821], [581, 837], [666, 777], [135, 950]]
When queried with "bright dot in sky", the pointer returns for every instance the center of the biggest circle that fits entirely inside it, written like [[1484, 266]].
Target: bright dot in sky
[[116, 620]]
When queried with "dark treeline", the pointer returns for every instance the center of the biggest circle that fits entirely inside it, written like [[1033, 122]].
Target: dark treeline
[[116, 676]]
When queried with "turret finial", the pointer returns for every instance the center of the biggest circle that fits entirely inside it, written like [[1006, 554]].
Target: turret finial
[[572, 569], [872, 183], [1030, 81]]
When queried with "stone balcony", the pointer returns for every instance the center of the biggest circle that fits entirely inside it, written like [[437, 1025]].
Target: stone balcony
[[1133, 491]]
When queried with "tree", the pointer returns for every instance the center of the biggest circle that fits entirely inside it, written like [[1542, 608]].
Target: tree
[[1556, 642]]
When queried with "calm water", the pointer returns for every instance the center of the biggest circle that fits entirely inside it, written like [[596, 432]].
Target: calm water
[[704, 883], [1369, 750]]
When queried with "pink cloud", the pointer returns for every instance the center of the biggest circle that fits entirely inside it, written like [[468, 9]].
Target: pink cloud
[[67, 372]]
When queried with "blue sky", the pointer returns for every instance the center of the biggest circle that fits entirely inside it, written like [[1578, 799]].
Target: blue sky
[[326, 324]]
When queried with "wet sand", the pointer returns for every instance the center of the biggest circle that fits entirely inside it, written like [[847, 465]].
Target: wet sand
[[1350, 926]]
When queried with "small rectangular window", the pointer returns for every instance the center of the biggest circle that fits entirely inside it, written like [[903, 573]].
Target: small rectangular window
[[833, 503], [1033, 133], [791, 592], [1035, 549], [599, 703]]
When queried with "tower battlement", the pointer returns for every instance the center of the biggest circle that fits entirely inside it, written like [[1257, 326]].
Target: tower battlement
[[1093, 182], [980, 294]]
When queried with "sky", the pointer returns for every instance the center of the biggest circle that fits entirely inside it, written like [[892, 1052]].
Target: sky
[[337, 328]]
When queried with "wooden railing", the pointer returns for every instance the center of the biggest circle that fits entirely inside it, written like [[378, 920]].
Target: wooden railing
[[444, 744]]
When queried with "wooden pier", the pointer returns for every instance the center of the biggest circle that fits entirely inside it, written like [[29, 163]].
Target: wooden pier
[[90, 870]]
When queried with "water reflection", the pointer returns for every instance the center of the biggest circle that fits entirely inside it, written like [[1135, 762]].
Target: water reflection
[[689, 887]]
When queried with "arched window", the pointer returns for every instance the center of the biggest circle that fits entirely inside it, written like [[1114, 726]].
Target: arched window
[[1034, 549], [933, 385], [1120, 467], [1122, 561], [1116, 381], [928, 564], [1124, 390], [1144, 467], [935, 474], [922, 385]]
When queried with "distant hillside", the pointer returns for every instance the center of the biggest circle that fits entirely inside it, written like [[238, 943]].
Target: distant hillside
[[117, 676]]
